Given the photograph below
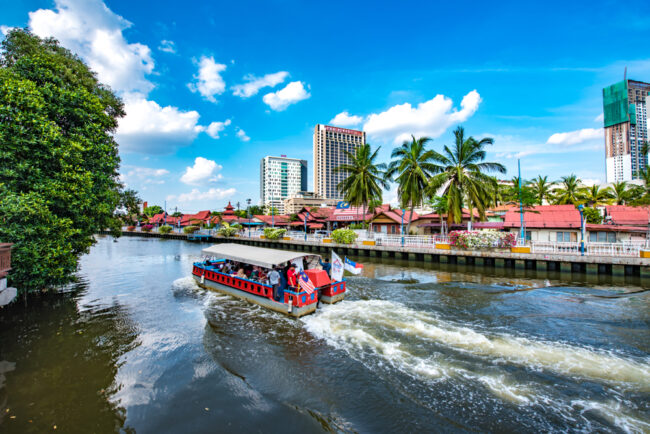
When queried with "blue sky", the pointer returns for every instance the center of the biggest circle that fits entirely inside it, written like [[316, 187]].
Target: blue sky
[[212, 87]]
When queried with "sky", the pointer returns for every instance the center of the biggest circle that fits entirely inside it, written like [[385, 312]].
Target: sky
[[210, 88]]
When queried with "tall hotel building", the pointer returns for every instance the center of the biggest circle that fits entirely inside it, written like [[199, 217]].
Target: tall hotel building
[[329, 144], [280, 178], [625, 106]]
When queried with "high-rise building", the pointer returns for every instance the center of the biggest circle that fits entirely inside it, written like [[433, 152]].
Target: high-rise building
[[280, 178], [625, 106], [329, 144]]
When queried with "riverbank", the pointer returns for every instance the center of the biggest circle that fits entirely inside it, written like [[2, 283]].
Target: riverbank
[[585, 265]]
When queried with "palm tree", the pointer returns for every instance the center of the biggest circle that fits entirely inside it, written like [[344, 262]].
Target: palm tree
[[541, 188], [365, 178], [568, 192], [620, 193], [412, 166], [439, 205], [595, 196], [462, 176], [640, 194]]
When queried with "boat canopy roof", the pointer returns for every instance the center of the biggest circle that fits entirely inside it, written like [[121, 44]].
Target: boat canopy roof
[[260, 256]]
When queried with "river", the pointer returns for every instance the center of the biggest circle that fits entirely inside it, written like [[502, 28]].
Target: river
[[136, 346]]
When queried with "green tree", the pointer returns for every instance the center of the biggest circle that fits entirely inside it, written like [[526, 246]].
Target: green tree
[[640, 194], [569, 190], [595, 195], [364, 177], [180, 214], [592, 215], [620, 193], [256, 210], [129, 204], [541, 189], [58, 159], [439, 206], [412, 167], [152, 210], [271, 210], [462, 178]]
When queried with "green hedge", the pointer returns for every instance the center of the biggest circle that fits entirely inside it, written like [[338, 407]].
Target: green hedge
[[344, 236], [274, 233], [190, 229], [165, 229]]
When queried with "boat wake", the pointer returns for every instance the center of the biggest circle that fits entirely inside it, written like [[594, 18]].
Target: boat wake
[[432, 349]]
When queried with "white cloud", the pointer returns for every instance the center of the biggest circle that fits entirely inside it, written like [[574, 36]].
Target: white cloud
[[215, 128], [576, 137], [430, 118], [167, 46], [283, 98], [94, 32], [344, 119], [242, 135], [203, 171], [254, 84], [196, 195], [600, 118], [208, 80], [150, 128], [6, 29], [145, 175]]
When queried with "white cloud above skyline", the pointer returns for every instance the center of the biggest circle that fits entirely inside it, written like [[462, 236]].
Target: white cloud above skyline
[[208, 81], [576, 137], [344, 119], [167, 46], [145, 175], [254, 84], [202, 172], [196, 195], [430, 118], [242, 135], [283, 98], [215, 128]]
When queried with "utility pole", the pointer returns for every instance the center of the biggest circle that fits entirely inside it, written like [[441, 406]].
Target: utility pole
[[522, 231]]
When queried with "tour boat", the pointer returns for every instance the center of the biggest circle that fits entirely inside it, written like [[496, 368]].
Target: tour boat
[[297, 301]]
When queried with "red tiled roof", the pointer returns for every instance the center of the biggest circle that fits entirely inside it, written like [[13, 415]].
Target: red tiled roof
[[616, 228], [396, 215], [201, 216], [349, 214], [278, 219], [545, 216], [628, 215]]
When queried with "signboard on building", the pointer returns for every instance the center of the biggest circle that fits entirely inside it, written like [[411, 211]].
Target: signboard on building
[[343, 131]]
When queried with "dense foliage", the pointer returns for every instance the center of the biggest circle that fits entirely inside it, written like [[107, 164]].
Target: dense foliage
[[228, 230], [152, 210], [344, 236], [165, 229], [274, 233], [190, 229], [58, 159], [146, 228], [482, 239]]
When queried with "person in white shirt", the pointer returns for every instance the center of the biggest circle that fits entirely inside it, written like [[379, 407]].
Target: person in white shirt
[[274, 281]]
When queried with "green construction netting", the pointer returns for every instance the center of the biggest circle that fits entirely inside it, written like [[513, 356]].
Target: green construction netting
[[615, 105]]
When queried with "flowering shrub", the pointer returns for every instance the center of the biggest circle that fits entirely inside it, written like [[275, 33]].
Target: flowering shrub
[[190, 229], [344, 236], [147, 228], [274, 233], [165, 229], [130, 228], [482, 239]]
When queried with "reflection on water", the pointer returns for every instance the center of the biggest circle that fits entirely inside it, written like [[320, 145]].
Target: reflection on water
[[138, 346]]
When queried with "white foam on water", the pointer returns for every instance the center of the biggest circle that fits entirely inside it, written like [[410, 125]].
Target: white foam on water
[[615, 413], [185, 284], [350, 322]]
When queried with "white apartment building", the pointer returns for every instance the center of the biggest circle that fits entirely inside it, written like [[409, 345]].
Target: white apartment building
[[329, 144], [281, 178]]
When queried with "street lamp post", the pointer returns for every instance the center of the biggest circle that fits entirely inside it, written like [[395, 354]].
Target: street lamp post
[[248, 213], [272, 217], [402, 229], [582, 230], [306, 217]]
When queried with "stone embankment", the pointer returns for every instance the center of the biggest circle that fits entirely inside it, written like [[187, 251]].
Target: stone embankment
[[590, 265]]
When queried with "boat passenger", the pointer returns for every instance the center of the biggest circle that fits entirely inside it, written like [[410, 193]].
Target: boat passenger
[[255, 274], [241, 274], [291, 276], [274, 281], [326, 266]]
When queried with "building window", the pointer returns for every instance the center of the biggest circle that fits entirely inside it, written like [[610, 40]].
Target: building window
[[565, 237], [602, 237]]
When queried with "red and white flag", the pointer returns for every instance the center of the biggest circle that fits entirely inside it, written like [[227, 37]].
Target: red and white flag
[[305, 283]]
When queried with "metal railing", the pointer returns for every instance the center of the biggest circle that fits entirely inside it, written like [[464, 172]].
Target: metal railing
[[623, 248]]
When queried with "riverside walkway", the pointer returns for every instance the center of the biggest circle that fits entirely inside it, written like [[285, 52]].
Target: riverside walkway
[[569, 261]]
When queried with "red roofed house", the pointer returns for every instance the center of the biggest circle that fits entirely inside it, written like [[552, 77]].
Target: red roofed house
[[557, 223], [340, 218], [200, 218], [430, 223], [281, 221], [388, 220]]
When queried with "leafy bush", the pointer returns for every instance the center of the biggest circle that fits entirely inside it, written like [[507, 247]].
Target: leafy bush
[[147, 228], [228, 230], [592, 215], [482, 239], [165, 229], [344, 236], [274, 233], [130, 228], [190, 229], [362, 225]]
